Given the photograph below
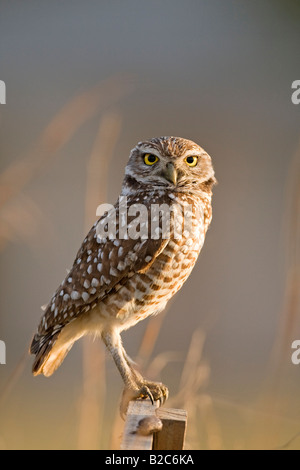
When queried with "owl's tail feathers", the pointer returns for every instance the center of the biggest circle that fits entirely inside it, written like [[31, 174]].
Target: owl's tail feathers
[[49, 354]]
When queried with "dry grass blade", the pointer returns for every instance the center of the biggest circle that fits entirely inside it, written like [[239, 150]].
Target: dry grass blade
[[98, 164], [92, 400], [161, 361], [21, 219], [192, 360], [191, 397], [210, 423], [150, 337], [146, 348], [91, 419], [14, 377], [60, 130], [292, 307], [274, 394]]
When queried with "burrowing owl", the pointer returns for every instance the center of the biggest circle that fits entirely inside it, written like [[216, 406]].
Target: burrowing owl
[[128, 267]]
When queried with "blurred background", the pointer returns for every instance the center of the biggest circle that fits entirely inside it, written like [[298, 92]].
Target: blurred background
[[87, 80]]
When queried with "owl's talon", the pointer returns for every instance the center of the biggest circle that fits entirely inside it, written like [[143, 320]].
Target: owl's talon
[[146, 393], [165, 395], [152, 390], [158, 391]]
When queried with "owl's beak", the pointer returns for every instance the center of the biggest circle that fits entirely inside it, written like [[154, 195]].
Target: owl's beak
[[170, 173]]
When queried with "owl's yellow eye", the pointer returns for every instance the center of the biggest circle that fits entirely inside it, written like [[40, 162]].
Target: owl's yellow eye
[[150, 159], [191, 161]]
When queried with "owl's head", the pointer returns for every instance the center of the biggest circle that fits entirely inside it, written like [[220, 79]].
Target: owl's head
[[171, 163]]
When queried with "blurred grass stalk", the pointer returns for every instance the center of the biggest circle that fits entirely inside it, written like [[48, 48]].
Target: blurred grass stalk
[[191, 395], [91, 418], [15, 204], [14, 179], [275, 399]]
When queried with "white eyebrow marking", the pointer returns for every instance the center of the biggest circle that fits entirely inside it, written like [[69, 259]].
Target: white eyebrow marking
[[194, 152], [149, 149]]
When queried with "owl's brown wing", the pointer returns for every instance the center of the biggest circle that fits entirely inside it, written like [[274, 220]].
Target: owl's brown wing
[[101, 266]]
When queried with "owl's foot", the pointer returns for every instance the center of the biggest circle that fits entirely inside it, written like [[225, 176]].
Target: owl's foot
[[153, 390], [156, 390]]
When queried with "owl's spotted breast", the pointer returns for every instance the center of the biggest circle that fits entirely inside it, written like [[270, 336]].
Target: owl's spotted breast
[[147, 292]]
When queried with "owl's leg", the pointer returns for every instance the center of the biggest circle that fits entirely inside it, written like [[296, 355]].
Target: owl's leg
[[112, 341], [135, 385], [158, 390]]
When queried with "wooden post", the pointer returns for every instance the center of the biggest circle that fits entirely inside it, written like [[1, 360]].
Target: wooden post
[[137, 411], [148, 427], [172, 435]]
